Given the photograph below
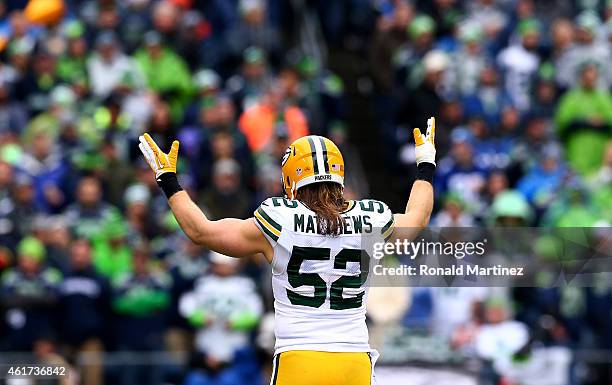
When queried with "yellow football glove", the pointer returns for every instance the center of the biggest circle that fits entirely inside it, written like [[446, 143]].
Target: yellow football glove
[[425, 150], [159, 161]]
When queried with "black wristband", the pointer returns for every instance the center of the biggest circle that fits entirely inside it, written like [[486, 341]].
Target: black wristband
[[169, 184], [425, 171]]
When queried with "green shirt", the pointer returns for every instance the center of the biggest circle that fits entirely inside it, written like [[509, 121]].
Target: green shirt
[[111, 262], [584, 146]]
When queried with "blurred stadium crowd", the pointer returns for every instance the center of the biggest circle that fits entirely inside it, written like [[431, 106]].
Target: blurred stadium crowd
[[92, 261]]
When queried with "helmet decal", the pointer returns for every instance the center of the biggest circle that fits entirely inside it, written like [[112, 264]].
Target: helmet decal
[[286, 156]]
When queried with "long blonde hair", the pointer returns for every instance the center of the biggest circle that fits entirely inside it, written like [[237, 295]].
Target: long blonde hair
[[326, 199]]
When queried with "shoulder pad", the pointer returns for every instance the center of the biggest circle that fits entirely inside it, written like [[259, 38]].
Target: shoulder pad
[[271, 215], [382, 215]]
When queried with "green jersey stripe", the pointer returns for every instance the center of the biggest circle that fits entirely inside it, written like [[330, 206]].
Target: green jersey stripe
[[270, 220], [387, 226], [263, 227]]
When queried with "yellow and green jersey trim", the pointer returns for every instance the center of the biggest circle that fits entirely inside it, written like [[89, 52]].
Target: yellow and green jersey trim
[[387, 229], [350, 206], [267, 224]]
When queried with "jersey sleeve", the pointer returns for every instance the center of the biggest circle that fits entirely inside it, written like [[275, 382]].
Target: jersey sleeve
[[387, 222], [268, 219]]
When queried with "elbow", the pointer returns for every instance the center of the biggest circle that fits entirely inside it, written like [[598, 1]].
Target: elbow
[[197, 237], [200, 240]]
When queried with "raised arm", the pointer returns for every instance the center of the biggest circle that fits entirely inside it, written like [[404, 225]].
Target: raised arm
[[420, 203], [233, 237]]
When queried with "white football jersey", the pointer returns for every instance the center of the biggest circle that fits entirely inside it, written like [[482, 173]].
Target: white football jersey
[[320, 282]]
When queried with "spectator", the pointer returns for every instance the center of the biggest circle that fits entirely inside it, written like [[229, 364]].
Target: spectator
[[488, 100], [226, 195], [137, 216], [252, 81], [223, 307], [520, 62], [584, 120], [588, 49], [140, 300], [458, 173], [563, 39], [497, 183], [72, 66], [13, 117], [490, 152], [62, 104], [89, 214], [257, 122], [389, 36], [218, 114], [426, 98], [207, 83], [49, 172], [100, 16], [253, 30], [56, 236], [453, 214], [112, 253], [510, 208], [165, 73], [108, 68], [540, 184], [20, 55], [135, 22], [455, 307], [28, 294], [166, 17], [469, 61], [186, 264], [224, 145], [115, 179], [488, 14], [84, 297], [421, 31], [23, 210], [33, 87], [197, 43], [500, 338], [572, 208], [545, 91]]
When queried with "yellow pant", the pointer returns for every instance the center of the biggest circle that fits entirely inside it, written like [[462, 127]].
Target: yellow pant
[[305, 367]]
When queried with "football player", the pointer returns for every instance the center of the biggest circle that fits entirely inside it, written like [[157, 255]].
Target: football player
[[314, 241]]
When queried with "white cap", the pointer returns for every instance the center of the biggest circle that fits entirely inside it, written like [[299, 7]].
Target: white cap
[[137, 193], [435, 61]]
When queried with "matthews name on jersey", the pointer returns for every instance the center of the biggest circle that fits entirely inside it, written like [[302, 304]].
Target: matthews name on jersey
[[320, 282]]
